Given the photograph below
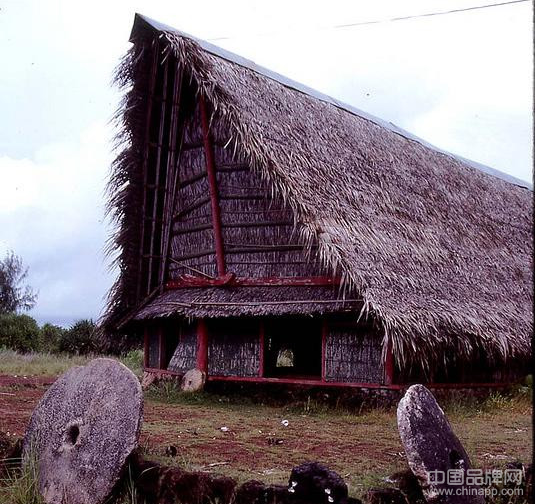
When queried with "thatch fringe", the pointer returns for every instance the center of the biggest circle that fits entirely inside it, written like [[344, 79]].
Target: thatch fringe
[[125, 185]]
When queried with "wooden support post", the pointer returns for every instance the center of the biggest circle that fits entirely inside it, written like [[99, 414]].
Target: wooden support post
[[154, 69], [389, 364], [324, 332], [171, 175], [262, 335], [202, 346], [161, 347], [146, 346], [158, 169], [212, 181]]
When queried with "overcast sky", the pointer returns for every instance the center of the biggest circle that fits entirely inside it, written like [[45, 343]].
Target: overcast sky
[[462, 81]]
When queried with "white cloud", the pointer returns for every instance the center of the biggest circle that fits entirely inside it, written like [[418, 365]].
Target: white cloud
[[52, 215]]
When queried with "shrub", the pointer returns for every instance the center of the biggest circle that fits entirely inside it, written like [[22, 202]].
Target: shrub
[[51, 336], [133, 360], [19, 332], [80, 339]]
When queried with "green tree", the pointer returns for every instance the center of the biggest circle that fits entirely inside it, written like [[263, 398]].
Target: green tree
[[19, 332], [51, 336], [81, 338], [14, 295]]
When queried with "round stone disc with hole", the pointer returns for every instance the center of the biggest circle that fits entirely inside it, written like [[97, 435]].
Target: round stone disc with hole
[[193, 381], [82, 431]]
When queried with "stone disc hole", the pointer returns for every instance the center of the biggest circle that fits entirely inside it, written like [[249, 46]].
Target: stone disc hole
[[72, 434]]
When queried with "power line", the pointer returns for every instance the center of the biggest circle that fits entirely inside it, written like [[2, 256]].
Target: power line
[[387, 20], [429, 14]]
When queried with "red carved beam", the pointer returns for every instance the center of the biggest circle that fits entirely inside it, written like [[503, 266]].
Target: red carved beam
[[315, 383], [389, 365], [231, 280], [212, 182], [301, 381]]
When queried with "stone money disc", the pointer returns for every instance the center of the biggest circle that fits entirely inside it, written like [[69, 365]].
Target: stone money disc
[[432, 448], [82, 431], [193, 381]]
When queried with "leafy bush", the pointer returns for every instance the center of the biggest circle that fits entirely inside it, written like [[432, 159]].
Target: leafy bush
[[81, 339], [134, 361], [51, 336], [19, 332]]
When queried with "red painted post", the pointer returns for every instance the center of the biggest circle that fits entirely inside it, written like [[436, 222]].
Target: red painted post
[[324, 331], [212, 182], [262, 347], [146, 343], [202, 346], [389, 364]]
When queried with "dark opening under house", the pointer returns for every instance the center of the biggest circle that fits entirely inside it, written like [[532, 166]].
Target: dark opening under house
[[266, 232]]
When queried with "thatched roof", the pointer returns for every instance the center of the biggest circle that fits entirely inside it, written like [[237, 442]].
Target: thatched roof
[[247, 301], [438, 248]]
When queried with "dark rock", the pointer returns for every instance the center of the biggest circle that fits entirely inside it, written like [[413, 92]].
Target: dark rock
[[146, 477], [385, 496], [187, 487], [256, 492], [528, 474], [432, 448], [10, 455], [313, 483], [83, 430], [167, 485], [408, 483], [171, 451], [5, 445]]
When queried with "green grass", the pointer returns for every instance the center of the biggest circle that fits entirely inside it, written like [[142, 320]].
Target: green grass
[[20, 486], [37, 364], [133, 360], [48, 364]]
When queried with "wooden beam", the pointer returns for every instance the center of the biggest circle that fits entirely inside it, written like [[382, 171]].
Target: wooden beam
[[230, 279], [171, 175], [246, 250], [202, 346], [193, 206], [316, 383], [230, 225], [389, 364], [153, 72], [299, 381], [212, 182], [358, 385], [157, 176]]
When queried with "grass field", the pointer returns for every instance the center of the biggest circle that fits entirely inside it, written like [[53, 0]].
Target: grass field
[[255, 444]]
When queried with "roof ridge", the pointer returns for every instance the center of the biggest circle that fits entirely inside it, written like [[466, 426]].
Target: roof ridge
[[141, 23]]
